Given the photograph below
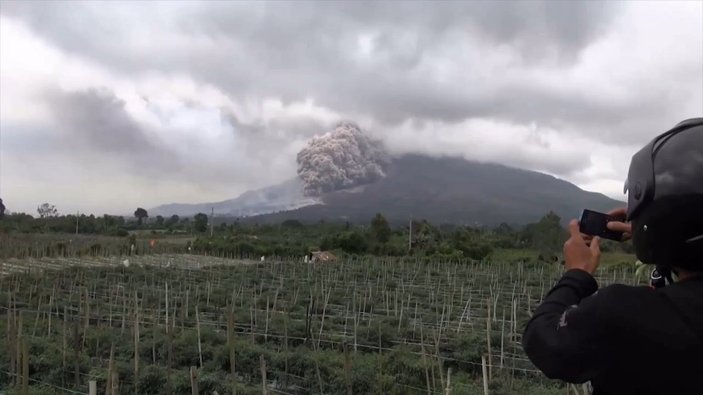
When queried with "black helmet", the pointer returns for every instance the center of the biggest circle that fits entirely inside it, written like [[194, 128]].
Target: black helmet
[[665, 198]]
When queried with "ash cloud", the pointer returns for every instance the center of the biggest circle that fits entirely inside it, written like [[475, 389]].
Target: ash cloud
[[343, 158]]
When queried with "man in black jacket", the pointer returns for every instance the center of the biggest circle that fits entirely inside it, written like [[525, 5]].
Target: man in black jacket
[[635, 340]]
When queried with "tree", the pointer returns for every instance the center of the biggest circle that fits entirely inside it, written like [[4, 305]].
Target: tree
[[47, 210], [140, 213], [171, 221], [200, 222], [292, 224], [2, 209], [159, 221], [380, 229], [547, 235]]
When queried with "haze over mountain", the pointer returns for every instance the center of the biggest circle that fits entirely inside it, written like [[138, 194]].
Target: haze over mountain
[[344, 175]]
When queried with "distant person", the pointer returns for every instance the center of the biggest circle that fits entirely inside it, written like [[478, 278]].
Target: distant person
[[635, 340]]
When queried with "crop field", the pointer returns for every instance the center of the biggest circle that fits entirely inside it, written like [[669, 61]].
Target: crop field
[[162, 324]]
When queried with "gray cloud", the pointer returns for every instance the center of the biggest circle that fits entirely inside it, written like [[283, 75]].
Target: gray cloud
[[95, 122], [309, 49], [422, 76]]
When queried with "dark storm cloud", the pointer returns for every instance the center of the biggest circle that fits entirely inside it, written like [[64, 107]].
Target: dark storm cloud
[[301, 50], [95, 123], [97, 117]]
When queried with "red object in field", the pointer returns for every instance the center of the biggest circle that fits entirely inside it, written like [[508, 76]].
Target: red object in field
[[152, 243]]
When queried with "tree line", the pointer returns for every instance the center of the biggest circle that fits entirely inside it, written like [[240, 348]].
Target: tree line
[[292, 237]]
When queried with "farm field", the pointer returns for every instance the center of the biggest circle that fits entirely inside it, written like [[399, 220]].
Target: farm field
[[162, 324]]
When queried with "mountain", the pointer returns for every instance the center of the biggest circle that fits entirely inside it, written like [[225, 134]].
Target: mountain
[[285, 196], [440, 190], [452, 190]]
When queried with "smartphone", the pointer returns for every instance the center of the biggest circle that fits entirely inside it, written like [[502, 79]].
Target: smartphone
[[594, 223]]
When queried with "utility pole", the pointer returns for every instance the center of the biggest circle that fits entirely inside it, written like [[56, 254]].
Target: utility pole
[[77, 223]]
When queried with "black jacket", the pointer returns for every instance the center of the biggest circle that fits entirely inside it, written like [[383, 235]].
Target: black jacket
[[625, 340]]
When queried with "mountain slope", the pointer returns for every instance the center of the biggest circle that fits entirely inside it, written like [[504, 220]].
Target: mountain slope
[[285, 196], [453, 190]]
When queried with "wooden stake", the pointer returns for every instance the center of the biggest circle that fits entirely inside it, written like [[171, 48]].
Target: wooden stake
[[194, 380], [424, 361], [448, 389], [502, 336], [200, 348], [108, 384], [488, 335], [25, 367], [347, 369], [484, 371], [230, 345], [77, 353], [92, 387], [136, 342], [115, 387], [263, 374]]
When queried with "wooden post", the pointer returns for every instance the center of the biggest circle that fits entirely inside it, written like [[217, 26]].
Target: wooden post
[[11, 338], [484, 371], [347, 369], [448, 389], [502, 336], [166, 297], [115, 384], [285, 348], [194, 380], [424, 361], [18, 352], [439, 359], [77, 353], [108, 383], [200, 348], [263, 374], [25, 367], [230, 345], [92, 387], [169, 346], [488, 335], [136, 342], [266, 324]]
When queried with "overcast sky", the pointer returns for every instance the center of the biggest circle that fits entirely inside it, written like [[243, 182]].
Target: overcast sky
[[108, 106]]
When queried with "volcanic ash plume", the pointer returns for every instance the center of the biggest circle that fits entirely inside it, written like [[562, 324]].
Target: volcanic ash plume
[[341, 159]]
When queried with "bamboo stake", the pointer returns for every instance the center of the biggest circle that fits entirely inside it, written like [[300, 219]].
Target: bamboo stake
[[448, 389], [200, 348], [136, 341], [25, 367], [194, 379], [502, 336], [108, 384], [347, 368], [263, 374], [230, 345], [424, 361], [485, 375], [488, 335]]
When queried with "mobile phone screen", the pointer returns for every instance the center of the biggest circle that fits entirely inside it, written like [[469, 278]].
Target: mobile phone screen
[[596, 224]]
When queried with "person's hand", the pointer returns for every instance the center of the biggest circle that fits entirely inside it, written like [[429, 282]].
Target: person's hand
[[620, 226], [578, 254]]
